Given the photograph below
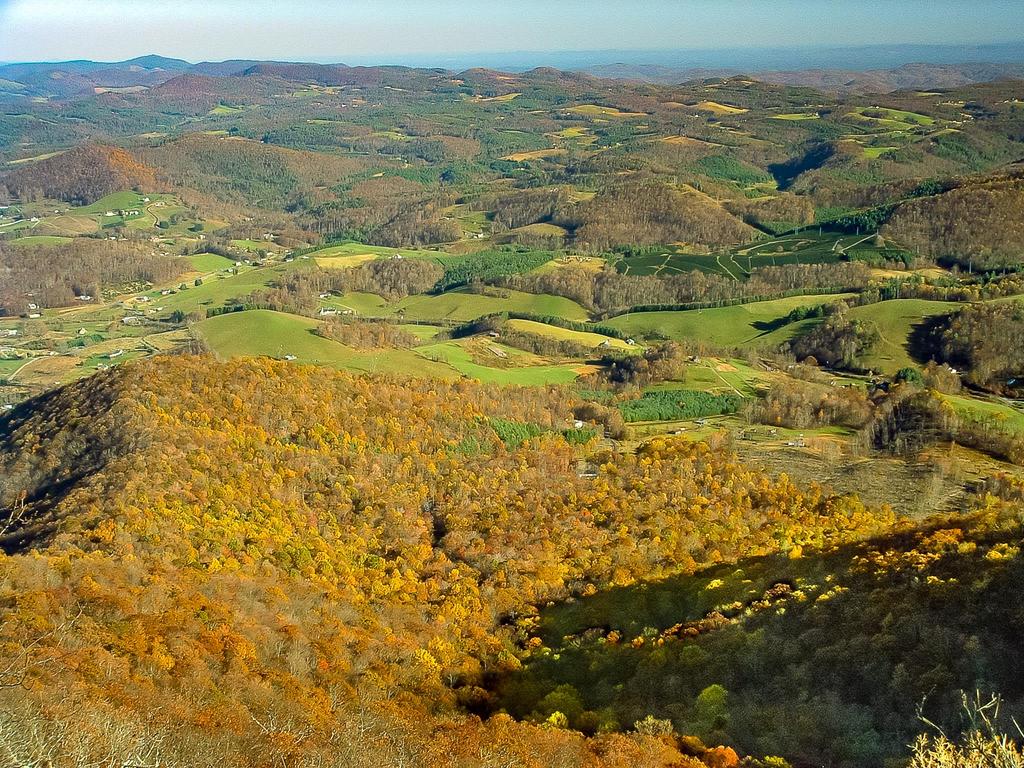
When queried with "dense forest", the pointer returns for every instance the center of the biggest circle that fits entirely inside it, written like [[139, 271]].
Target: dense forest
[[261, 589]]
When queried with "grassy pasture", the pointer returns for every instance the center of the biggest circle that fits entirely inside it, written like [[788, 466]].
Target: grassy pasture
[[225, 109], [31, 240], [276, 334], [895, 320], [595, 110], [458, 357], [742, 325], [210, 262], [357, 249], [718, 108], [915, 118], [217, 291], [345, 262], [973, 407], [797, 116], [462, 305], [537, 154], [876, 152], [115, 201], [565, 334], [806, 247]]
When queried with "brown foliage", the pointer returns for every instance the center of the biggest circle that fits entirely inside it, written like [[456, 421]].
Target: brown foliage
[[80, 176]]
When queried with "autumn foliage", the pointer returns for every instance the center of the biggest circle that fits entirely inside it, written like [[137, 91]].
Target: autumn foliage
[[260, 559]]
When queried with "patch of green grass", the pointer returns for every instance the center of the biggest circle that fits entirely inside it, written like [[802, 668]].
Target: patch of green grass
[[741, 325], [254, 245], [32, 240], [877, 152], [565, 334], [459, 358], [210, 262], [225, 109], [796, 116], [220, 290], [462, 305], [976, 408], [895, 320], [356, 249], [113, 202], [277, 334]]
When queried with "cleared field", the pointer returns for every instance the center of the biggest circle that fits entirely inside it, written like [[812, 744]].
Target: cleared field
[[902, 115], [595, 110], [210, 262], [217, 291], [744, 325], [365, 304], [588, 263], [718, 108], [458, 357], [577, 133], [976, 408], [876, 152], [503, 98], [276, 334], [537, 154], [687, 141], [796, 116], [895, 320], [462, 305], [345, 262], [115, 201], [565, 334], [358, 249], [224, 109], [68, 226], [31, 240]]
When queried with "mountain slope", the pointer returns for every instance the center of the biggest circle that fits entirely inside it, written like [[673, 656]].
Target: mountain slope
[[268, 558]]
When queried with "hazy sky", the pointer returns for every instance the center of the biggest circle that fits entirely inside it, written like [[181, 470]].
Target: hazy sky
[[393, 30]]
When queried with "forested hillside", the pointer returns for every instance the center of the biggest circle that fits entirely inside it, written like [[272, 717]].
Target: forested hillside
[[291, 533]]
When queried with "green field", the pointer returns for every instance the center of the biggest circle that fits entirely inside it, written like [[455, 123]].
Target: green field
[[564, 334], [114, 202], [895, 320], [356, 249], [806, 247], [210, 262], [741, 325], [365, 304], [459, 358], [255, 245], [276, 334], [32, 240], [973, 407], [217, 291], [461, 305]]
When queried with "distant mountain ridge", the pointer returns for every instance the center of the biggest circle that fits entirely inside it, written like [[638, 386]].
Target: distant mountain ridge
[[907, 76], [81, 78]]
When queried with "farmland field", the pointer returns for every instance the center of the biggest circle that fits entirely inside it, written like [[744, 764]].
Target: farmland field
[[459, 358], [462, 305], [564, 334], [275, 334], [742, 325], [895, 320]]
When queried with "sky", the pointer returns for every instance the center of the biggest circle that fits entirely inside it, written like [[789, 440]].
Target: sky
[[420, 31]]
